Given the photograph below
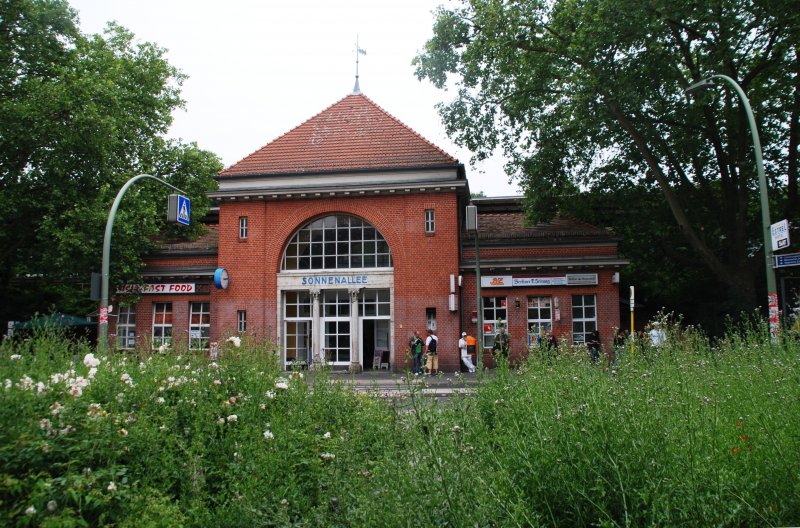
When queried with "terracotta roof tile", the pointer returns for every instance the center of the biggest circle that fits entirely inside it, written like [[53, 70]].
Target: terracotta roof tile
[[504, 226], [351, 134]]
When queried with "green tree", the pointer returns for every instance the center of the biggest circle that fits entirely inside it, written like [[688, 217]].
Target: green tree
[[79, 116], [585, 97]]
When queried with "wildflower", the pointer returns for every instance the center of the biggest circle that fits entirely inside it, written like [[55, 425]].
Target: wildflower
[[232, 418], [456, 429], [282, 383], [15, 357], [327, 436], [90, 361], [45, 424], [112, 486], [213, 365], [26, 383], [236, 341], [51, 506], [161, 399], [262, 406], [270, 394], [232, 399], [163, 348], [221, 420], [41, 387], [327, 456], [8, 384], [268, 435], [217, 382], [297, 375], [75, 391], [92, 372], [126, 378], [284, 502], [30, 511], [162, 428]]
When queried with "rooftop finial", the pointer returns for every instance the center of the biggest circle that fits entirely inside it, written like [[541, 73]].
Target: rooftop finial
[[359, 51]]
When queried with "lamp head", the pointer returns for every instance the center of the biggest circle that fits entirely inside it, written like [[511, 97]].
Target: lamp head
[[699, 86]]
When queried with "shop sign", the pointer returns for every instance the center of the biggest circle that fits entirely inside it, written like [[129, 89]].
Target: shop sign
[[571, 279], [581, 279], [186, 287]]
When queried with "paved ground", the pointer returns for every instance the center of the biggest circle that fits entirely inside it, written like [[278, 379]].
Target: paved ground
[[393, 384]]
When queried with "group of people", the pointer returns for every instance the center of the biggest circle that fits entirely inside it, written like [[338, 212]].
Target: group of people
[[429, 350]]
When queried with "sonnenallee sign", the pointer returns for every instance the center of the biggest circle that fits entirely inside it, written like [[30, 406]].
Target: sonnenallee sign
[[329, 280], [186, 287]]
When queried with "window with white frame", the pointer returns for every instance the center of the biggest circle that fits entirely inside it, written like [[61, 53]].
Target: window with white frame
[[540, 318], [199, 325], [241, 321], [126, 327], [495, 312], [584, 317], [430, 221], [374, 303], [242, 227], [162, 324], [297, 326], [430, 317], [337, 242]]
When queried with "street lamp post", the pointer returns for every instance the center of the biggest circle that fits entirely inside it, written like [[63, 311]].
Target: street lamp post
[[772, 292], [472, 225], [103, 317]]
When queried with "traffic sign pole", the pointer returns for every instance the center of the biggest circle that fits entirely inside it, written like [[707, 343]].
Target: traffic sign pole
[[102, 343]]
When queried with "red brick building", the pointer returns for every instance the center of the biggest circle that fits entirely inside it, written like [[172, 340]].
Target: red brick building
[[347, 233]]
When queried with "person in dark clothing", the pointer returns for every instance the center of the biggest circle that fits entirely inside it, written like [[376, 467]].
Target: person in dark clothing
[[500, 348], [593, 344], [415, 346]]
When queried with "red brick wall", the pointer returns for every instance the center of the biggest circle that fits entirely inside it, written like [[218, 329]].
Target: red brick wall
[[422, 264], [607, 298]]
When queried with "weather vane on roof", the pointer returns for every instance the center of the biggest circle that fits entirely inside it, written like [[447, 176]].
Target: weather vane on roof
[[359, 51]]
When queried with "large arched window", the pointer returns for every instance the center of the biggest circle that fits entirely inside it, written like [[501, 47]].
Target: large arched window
[[337, 242]]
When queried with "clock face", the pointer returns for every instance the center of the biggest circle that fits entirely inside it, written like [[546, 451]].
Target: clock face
[[221, 278]]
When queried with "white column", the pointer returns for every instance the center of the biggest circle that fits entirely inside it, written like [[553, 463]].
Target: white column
[[316, 331], [355, 363]]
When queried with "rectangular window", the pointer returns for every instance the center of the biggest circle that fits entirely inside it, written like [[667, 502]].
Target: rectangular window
[[540, 318], [430, 221], [374, 303], [242, 227], [584, 317], [430, 317], [241, 321], [297, 326], [199, 325], [126, 328], [162, 324], [494, 316]]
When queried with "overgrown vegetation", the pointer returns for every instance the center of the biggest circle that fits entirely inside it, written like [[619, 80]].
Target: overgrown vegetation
[[690, 434]]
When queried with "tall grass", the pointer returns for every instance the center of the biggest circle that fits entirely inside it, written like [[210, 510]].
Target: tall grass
[[693, 434]]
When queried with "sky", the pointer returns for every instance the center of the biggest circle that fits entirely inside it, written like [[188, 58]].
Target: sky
[[257, 69]]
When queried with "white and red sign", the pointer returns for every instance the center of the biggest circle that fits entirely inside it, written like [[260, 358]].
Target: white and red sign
[[774, 314], [169, 288]]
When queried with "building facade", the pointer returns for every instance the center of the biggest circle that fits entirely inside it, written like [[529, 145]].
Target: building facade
[[342, 237]]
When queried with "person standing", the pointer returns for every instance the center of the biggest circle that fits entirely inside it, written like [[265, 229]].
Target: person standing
[[465, 356], [593, 344], [500, 347], [415, 345], [432, 349]]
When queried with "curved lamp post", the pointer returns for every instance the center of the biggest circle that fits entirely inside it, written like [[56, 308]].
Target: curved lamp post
[[103, 318], [772, 292]]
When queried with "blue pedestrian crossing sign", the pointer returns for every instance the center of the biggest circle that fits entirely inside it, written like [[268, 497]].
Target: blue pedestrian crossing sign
[[179, 209]]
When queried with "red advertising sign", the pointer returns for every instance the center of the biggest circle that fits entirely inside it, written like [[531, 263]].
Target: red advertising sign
[[103, 319], [157, 288], [774, 314]]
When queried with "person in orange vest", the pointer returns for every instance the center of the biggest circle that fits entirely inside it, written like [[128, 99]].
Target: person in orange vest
[[467, 345]]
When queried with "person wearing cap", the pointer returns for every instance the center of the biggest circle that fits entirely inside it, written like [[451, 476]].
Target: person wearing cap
[[465, 357]]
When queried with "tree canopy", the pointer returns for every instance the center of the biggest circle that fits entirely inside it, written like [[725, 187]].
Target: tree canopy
[[585, 98], [79, 116]]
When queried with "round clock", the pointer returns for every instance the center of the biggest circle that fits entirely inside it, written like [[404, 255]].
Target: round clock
[[221, 278]]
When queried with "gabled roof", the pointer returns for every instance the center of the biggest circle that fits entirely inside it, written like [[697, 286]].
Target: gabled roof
[[352, 134]]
